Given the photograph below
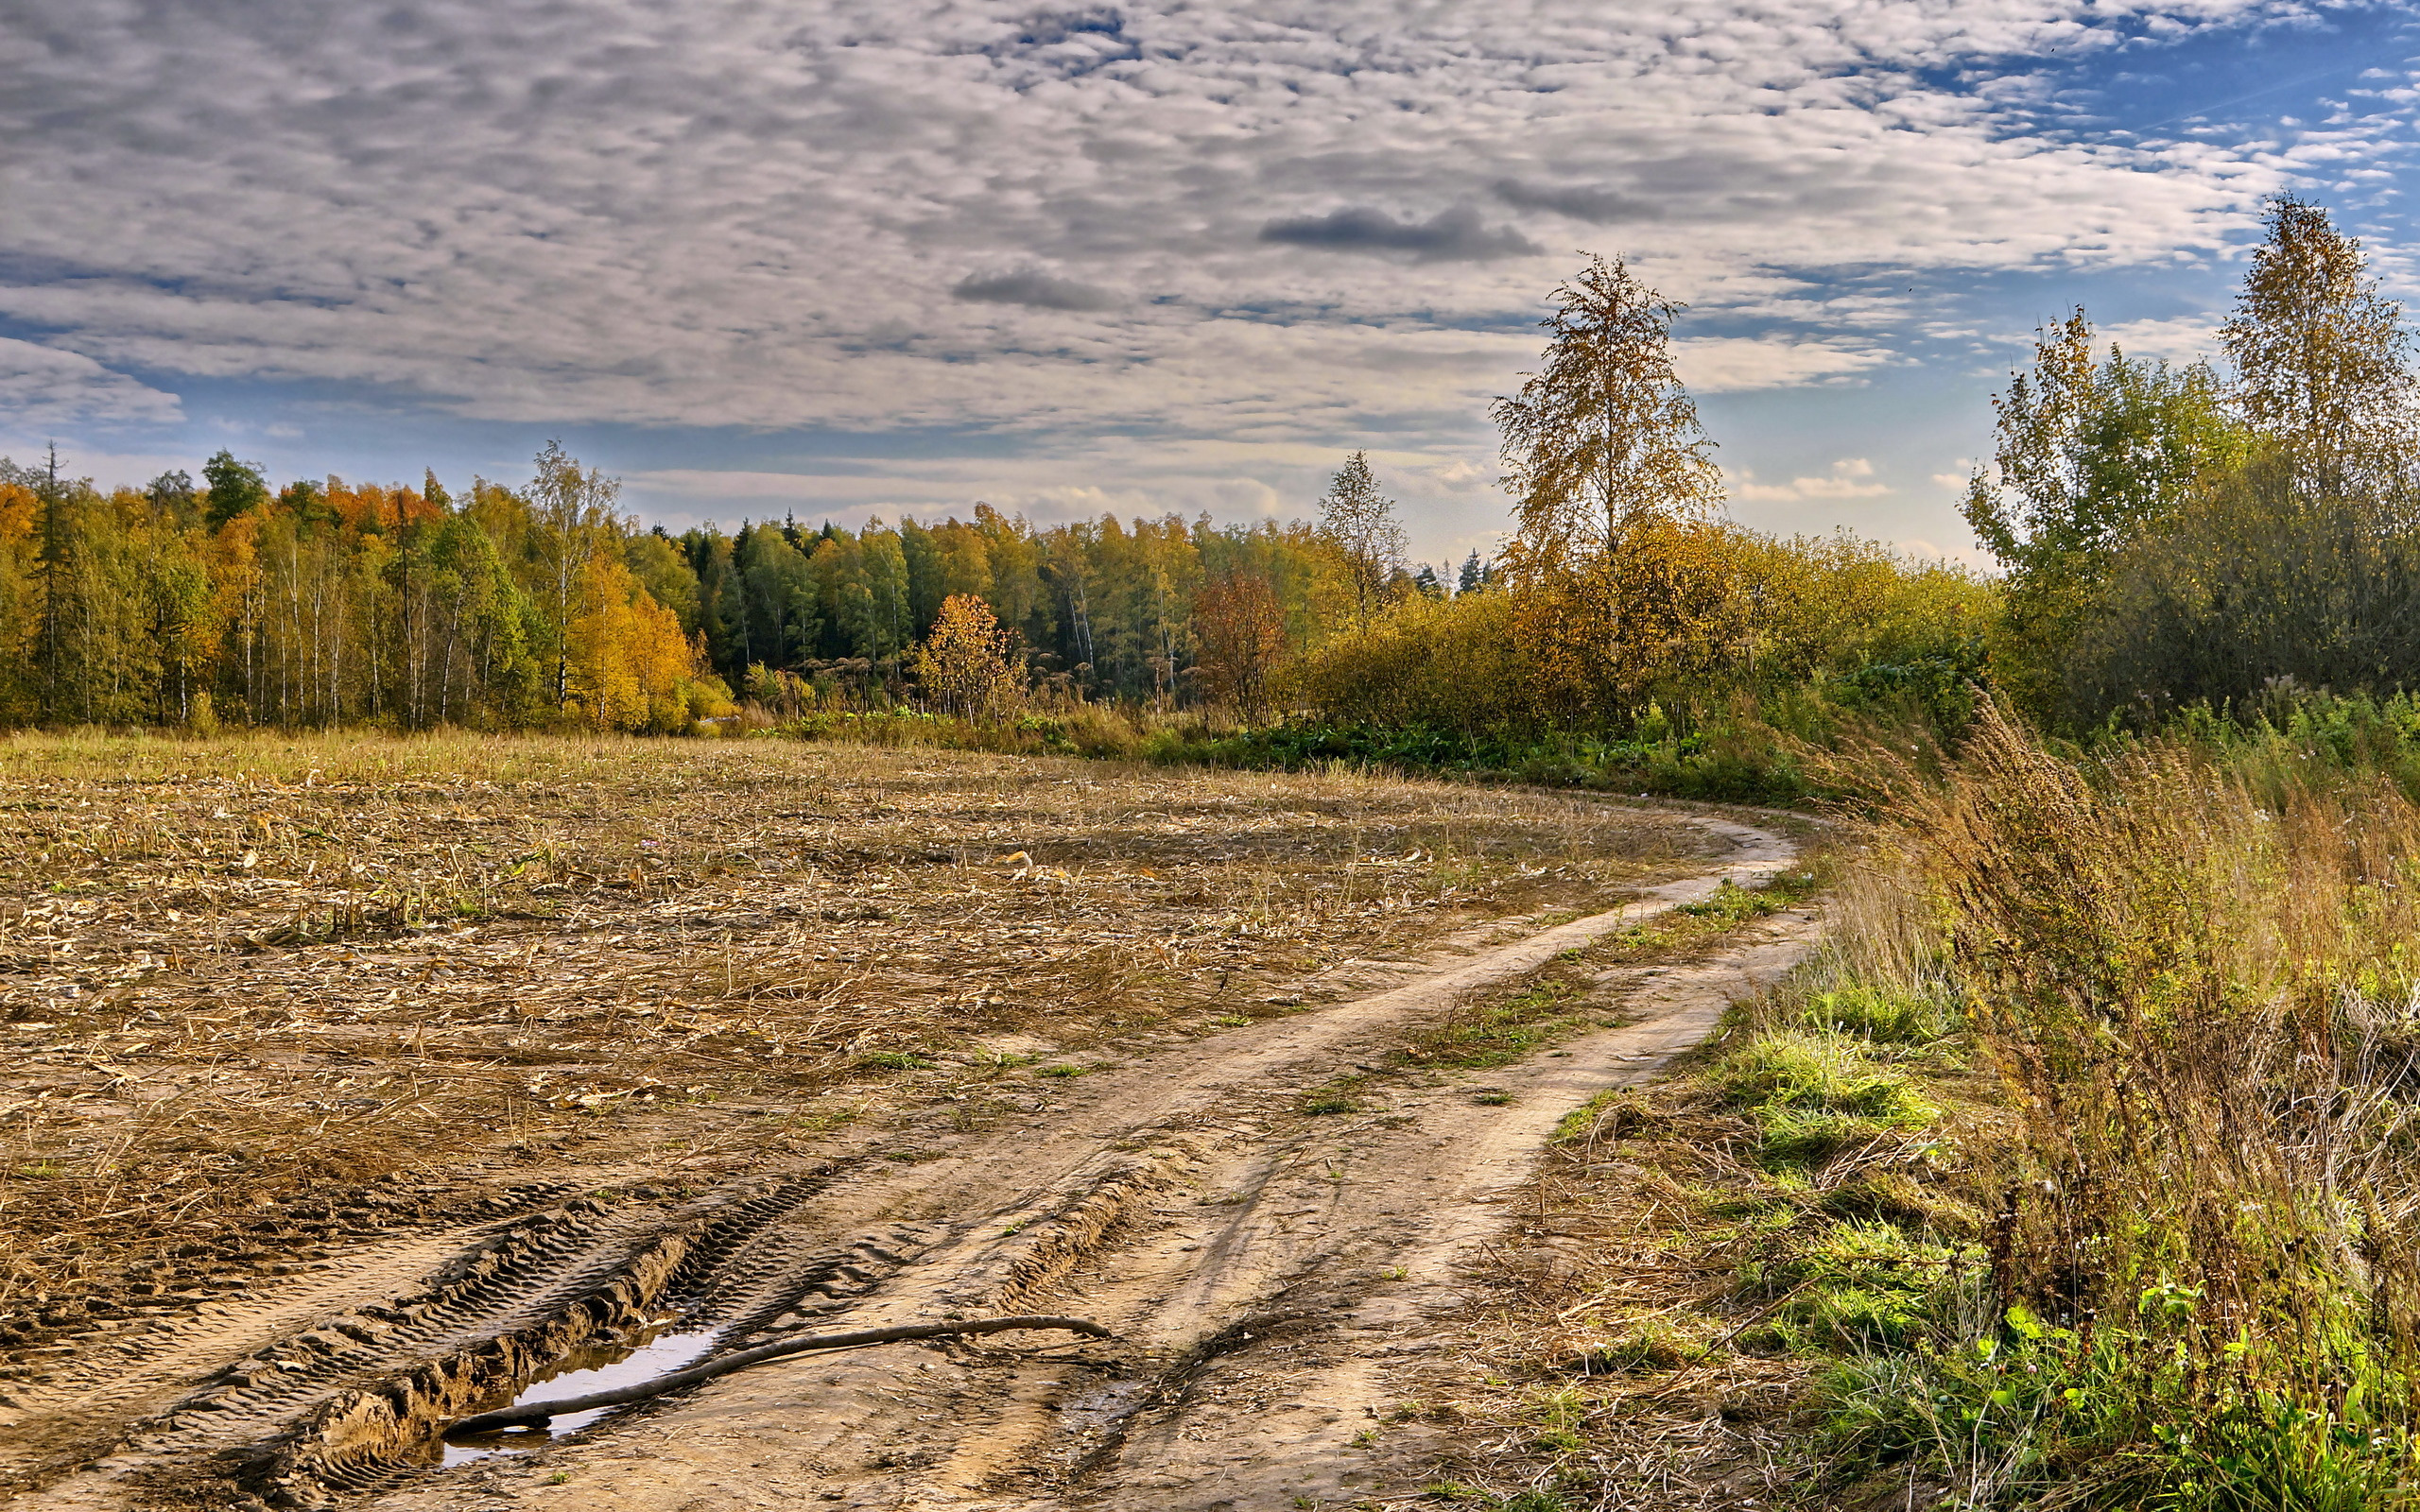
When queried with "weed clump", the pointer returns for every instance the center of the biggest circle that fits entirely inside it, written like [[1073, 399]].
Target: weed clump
[[2200, 1274], [2075, 1171], [1882, 1017], [1815, 1097]]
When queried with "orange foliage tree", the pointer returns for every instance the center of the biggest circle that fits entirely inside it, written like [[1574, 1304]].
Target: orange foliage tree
[[1239, 637]]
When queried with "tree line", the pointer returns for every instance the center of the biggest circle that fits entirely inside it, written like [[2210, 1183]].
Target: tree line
[[543, 605], [2170, 535], [2176, 536]]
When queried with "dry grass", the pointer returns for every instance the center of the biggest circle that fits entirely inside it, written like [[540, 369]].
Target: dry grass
[[241, 979]]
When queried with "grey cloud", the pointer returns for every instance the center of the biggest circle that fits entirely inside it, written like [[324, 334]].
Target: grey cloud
[[1598, 207], [1039, 290], [1452, 235]]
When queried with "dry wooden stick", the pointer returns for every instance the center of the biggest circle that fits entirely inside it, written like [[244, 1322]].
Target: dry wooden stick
[[538, 1413]]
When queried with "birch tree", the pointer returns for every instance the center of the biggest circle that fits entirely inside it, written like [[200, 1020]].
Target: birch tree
[[1605, 434], [1362, 522], [2322, 358], [574, 513]]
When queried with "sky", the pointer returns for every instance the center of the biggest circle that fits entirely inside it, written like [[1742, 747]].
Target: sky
[[839, 258]]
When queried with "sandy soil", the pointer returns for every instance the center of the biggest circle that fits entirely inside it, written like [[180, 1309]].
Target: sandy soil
[[1268, 1270]]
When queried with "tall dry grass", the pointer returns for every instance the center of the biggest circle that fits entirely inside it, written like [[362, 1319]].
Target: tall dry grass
[[2200, 1281]]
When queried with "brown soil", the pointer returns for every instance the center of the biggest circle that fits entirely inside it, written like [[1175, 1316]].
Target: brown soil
[[1272, 1270]]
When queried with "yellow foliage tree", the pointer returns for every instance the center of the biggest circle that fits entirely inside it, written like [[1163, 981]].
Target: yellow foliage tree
[[1622, 575], [627, 667], [965, 667], [1678, 602]]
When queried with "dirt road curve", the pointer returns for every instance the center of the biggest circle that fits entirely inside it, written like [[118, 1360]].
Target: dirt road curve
[[1265, 1267]]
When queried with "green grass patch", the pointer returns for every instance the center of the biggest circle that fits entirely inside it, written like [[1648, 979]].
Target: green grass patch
[[1882, 1018], [1689, 925], [1734, 905], [1814, 1096], [1479, 1037]]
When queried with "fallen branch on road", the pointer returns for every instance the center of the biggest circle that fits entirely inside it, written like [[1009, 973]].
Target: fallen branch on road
[[538, 1413]]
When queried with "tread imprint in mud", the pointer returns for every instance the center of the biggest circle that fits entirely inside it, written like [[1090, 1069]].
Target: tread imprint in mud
[[348, 1406]]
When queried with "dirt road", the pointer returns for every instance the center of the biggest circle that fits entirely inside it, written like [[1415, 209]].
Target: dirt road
[[1266, 1216]]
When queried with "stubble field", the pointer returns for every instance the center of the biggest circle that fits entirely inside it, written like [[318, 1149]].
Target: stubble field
[[261, 994]]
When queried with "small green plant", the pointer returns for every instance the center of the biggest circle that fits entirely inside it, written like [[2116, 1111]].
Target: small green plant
[[1324, 1103], [1061, 1068], [894, 1060], [1733, 903], [1497, 1034], [1491, 1098], [1648, 1345]]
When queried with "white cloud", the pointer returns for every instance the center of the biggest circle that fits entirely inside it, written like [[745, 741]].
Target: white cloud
[[1730, 364], [2182, 338], [1851, 477], [1969, 555], [43, 389]]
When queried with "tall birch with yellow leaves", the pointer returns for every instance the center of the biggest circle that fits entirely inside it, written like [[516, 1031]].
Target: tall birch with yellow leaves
[[1619, 562]]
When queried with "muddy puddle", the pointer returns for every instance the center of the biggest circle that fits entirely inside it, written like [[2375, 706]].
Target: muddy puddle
[[658, 1349], [1104, 1406]]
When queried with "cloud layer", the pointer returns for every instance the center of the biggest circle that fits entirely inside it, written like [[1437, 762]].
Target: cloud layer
[[1262, 224]]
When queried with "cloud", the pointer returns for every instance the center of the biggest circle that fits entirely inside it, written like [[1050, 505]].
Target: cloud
[[43, 387], [2182, 339], [1453, 235], [1721, 365], [1039, 290], [1851, 477], [1228, 477], [1598, 207], [718, 214], [1971, 556]]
